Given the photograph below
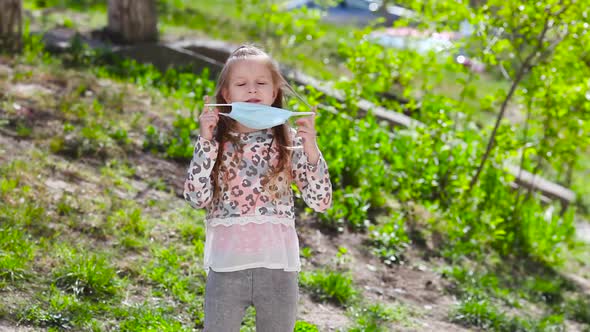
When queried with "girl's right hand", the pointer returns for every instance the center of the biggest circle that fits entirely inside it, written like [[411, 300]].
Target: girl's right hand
[[208, 121]]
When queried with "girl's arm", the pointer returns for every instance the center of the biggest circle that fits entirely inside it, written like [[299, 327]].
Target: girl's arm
[[312, 179], [198, 187]]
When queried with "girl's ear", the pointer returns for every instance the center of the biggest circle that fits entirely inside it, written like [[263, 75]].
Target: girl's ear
[[275, 94]]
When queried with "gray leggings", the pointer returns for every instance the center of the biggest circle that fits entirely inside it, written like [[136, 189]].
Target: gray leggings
[[273, 292]]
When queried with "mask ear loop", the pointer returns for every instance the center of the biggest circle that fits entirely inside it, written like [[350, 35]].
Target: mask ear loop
[[215, 105], [290, 88]]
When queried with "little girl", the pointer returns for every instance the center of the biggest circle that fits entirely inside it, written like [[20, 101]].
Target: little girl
[[243, 177]]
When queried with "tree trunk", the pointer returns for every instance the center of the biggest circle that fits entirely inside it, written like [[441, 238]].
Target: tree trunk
[[10, 25], [133, 21]]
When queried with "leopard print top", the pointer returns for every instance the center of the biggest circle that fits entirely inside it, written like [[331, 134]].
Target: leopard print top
[[243, 195]]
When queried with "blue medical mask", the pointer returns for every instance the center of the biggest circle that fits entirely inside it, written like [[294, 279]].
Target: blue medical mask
[[258, 116]]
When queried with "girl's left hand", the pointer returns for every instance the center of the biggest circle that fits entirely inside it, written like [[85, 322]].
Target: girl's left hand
[[306, 130]]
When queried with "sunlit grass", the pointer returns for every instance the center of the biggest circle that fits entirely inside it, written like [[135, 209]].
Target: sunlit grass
[[87, 274], [143, 317], [329, 286], [377, 317], [16, 251]]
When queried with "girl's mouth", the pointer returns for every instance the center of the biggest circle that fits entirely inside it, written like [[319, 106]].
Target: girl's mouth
[[253, 100]]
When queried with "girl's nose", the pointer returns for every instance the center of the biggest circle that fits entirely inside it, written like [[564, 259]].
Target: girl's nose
[[252, 88]]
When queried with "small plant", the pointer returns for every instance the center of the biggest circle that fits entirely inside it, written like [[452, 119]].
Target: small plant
[[24, 131], [546, 290], [329, 286], [342, 257], [169, 272], [249, 320], [92, 140], [16, 251], [7, 185], [390, 240], [192, 231], [128, 221], [144, 318], [86, 274], [39, 316], [478, 312], [65, 206], [578, 309], [306, 252], [376, 317], [302, 326], [60, 310]]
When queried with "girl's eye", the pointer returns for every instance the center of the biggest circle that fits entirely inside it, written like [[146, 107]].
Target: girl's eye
[[241, 84], [261, 83]]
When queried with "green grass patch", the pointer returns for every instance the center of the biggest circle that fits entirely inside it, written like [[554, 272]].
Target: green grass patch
[[129, 226], [87, 274], [331, 286], [175, 272], [302, 326], [16, 251], [144, 317], [390, 239], [56, 309], [478, 311], [578, 309], [379, 318], [249, 320]]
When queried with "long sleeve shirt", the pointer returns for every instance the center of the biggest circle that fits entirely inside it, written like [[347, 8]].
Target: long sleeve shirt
[[246, 225]]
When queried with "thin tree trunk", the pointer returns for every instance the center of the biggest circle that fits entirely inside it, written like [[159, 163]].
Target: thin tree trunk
[[133, 21], [523, 70], [492, 139], [10, 25]]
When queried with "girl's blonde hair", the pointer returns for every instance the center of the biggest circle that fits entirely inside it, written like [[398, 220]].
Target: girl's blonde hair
[[273, 182]]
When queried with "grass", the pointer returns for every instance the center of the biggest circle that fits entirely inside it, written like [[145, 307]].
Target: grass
[[16, 251], [81, 288], [84, 284], [390, 239], [302, 326], [477, 311], [87, 274], [378, 317], [146, 318], [329, 286], [488, 300]]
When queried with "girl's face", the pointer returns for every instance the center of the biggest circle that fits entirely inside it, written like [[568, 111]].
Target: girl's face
[[250, 80]]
